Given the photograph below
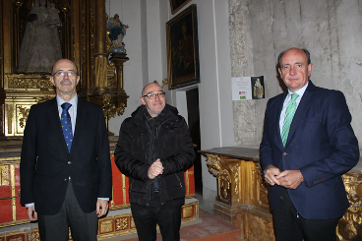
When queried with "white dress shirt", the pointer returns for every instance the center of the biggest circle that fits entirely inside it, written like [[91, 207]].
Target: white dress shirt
[[300, 93]]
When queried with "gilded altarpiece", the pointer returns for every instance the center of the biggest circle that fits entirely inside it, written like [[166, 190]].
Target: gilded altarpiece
[[84, 39], [242, 194]]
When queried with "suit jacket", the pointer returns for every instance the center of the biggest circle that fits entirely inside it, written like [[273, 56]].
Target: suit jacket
[[46, 164], [321, 144]]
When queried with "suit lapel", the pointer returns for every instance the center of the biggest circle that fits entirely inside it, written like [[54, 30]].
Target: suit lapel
[[277, 118], [53, 115], [304, 105], [80, 122]]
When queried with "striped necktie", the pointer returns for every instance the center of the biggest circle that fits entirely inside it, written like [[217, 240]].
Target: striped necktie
[[289, 114], [67, 125]]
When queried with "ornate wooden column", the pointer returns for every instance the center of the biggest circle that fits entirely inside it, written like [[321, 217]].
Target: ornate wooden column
[[101, 55], [242, 194], [2, 92], [90, 49], [121, 97]]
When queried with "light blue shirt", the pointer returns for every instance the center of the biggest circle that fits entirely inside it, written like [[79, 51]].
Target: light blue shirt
[[300, 93], [72, 110]]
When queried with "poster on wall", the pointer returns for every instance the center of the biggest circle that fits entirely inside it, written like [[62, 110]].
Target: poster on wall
[[248, 88]]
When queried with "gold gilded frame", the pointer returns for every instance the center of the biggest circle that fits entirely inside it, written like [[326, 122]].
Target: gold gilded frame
[[84, 40], [177, 5]]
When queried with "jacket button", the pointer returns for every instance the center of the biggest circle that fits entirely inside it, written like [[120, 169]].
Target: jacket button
[[69, 162], [284, 153], [65, 179]]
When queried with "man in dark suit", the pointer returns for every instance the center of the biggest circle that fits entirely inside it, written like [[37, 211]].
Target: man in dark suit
[[304, 156], [65, 181]]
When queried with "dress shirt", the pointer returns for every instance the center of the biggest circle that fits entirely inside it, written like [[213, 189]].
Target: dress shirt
[[300, 93], [73, 116], [72, 110]]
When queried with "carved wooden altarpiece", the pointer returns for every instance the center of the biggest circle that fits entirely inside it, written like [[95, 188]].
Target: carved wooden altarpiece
[[84, 40], [242, 194]]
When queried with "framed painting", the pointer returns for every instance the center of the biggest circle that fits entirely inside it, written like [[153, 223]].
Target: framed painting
[[183, 49], [177, 5]]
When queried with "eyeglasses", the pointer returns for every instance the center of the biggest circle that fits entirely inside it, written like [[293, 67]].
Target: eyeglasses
[[153, 95], [63, 73]]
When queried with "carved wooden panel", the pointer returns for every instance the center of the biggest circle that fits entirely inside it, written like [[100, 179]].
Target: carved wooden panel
[[248, 205]]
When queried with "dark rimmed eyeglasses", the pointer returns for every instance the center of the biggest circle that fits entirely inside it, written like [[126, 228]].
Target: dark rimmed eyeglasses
[[63, 73], [153, 95]]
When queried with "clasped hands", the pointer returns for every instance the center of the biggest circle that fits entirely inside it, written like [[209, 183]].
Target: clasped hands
[[155, 169], [289, 178]]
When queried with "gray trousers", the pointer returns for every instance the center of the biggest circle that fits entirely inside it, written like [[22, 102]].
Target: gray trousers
[[83, 226]]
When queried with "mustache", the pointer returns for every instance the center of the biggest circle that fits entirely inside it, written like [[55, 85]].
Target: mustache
[[65, 82]]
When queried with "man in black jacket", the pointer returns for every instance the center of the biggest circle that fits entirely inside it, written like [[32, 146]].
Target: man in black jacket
[[154, 149]]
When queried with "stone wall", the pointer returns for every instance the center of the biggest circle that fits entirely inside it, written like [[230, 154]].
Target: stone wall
[[260, 30]]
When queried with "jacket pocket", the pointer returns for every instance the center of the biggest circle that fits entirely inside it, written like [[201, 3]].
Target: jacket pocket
[[138, 186], [173, 181]]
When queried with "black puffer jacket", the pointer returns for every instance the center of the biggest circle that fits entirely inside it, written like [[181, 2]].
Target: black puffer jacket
[[174, 147]]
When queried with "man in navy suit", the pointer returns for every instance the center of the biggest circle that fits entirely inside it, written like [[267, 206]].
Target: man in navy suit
[[66, 187], [306, 191]]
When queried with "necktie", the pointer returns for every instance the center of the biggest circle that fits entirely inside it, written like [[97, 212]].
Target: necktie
[[67, 125], [289, 113]]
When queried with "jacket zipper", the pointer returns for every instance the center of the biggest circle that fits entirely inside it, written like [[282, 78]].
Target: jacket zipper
[[178, 179]]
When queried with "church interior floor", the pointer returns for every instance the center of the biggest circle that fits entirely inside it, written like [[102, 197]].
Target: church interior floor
[[207, 228]]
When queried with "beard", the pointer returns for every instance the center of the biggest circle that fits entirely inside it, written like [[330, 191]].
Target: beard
[[155, 111]]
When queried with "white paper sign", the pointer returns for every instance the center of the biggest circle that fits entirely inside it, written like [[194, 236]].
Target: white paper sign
[[247, 88]]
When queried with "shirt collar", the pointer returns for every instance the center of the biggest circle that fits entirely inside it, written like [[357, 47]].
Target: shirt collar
[[300, 92], [73, 101]]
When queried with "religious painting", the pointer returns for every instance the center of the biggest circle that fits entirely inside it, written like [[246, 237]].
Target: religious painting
[[258, 87], [183, 49], [177, 5]]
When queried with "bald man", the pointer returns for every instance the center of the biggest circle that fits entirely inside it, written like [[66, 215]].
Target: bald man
[[154, 149], [308, 142]]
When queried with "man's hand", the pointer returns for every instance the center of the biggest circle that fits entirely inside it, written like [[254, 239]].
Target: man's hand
[[290, 179], [32, 215], [102, 207], [155, 169], [270, 175]]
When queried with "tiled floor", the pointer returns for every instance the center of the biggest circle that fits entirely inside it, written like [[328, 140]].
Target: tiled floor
[[208, 227]]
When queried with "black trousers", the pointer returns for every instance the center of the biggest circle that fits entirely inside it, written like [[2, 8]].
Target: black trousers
[[168, 217], [289, 225], [83, 225]]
